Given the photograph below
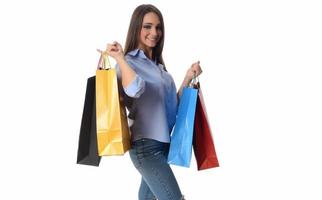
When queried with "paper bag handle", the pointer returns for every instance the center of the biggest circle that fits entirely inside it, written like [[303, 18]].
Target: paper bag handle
[[194, 82], [104, 61]]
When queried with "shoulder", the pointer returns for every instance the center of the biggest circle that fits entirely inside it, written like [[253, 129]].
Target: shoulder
[[133, 55], [136, 58]]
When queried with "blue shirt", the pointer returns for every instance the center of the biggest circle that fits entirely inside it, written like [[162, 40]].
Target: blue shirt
[[151, 98]]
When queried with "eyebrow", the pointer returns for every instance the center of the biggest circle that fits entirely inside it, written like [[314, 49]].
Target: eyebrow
[[149, 23]]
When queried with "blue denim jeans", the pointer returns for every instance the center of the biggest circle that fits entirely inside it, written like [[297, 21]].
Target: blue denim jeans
[[158, 181]]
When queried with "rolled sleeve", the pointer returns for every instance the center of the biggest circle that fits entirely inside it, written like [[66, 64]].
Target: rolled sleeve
[[135, 88]]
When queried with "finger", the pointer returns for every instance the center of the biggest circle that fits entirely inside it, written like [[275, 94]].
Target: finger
[[196, 67], [200, 71], [114, 48], [111, 47], [195, 64], [116, 44], [99, 51], [197, 70]]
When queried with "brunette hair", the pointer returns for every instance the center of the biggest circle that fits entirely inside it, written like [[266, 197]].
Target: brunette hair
[[133, 34]]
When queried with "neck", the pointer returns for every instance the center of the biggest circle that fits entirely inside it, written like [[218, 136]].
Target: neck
[[147, 52]]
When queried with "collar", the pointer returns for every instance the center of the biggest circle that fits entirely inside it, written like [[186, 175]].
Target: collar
[[140, 53]]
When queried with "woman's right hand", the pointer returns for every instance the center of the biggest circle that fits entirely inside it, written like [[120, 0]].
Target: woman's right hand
[[115, 50]]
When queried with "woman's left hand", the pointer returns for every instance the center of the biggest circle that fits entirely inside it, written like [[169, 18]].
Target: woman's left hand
[[193, 71]]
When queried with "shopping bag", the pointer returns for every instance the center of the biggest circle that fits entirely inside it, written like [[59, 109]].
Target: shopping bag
[[182, 134], [87, 153], [203, 145], [112, 128]]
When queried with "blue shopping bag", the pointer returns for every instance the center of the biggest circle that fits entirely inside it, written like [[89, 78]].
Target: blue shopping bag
[[182, 133]]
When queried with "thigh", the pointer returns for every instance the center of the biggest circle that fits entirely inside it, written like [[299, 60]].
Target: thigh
[[150, 159]]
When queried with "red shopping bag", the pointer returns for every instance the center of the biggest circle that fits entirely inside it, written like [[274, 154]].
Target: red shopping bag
[[203, 144]]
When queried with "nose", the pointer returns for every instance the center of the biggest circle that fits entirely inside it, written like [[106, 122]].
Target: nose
[[154, 31]]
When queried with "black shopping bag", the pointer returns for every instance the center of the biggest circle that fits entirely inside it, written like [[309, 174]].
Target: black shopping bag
[[87, 145]]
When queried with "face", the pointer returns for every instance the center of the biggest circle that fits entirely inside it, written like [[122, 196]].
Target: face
[[150, 32]]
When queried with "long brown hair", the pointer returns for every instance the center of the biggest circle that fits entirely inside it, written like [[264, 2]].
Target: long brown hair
[[132, 38]]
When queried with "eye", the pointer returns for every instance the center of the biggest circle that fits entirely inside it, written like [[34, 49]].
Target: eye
[[147, 26]]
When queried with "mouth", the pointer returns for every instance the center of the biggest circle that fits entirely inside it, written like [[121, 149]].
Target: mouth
[[152, 39]]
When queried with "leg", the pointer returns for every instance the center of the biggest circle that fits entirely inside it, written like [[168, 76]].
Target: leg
[[145, 192], [150, 159]]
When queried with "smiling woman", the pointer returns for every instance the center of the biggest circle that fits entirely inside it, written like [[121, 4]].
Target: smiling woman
[[150, 33], [150, 95]]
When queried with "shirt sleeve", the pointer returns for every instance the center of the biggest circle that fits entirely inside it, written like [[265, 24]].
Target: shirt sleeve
[[136, 88]]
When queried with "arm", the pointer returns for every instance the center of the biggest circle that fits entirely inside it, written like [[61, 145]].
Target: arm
[[128, 75], [132, 84]]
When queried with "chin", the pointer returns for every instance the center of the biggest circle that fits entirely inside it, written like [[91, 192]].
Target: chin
[[151, 44]]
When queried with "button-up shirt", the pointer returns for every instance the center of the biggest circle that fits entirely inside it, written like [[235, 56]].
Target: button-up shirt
[[151, 98]]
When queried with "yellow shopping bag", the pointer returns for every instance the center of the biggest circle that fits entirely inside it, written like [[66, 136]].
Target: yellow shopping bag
[[112, 128]]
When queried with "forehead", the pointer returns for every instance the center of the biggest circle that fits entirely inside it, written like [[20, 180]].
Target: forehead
[[151, 17]]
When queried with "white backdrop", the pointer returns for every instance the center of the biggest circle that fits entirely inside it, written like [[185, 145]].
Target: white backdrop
[[261, 84]]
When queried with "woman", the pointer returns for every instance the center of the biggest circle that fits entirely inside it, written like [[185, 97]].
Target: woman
[[149, 93]]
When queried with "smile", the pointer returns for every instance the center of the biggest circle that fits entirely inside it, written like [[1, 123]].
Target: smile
[[154, 40]]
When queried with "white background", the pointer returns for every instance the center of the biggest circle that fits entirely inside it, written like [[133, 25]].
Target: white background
[[261, 83]]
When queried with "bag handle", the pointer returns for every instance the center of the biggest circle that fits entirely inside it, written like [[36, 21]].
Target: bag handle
[[194, 82], [104, 61]]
